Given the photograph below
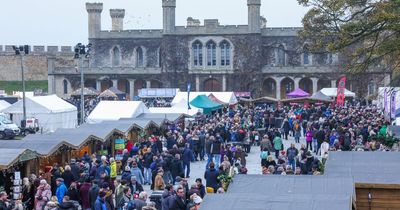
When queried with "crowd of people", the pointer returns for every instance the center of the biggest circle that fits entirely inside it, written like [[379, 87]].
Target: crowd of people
[[157, 102], [222, 141]]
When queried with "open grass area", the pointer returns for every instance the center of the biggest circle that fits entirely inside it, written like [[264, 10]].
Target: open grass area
[[10, 86]]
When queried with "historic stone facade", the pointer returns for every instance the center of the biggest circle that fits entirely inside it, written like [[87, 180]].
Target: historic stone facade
[[212, 57]]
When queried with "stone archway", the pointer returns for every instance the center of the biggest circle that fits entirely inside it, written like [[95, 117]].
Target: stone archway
[[212, 85], [139, 84], [287, 86], [90, 83], [105, 84], [123, 85], [306, 84], [269, 88], [323, 83], [156, 84]]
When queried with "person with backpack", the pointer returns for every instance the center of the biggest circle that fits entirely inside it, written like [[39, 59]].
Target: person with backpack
[[277, 145], [264, 156], [125, 199]]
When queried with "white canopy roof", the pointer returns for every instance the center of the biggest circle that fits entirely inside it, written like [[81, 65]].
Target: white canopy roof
[[179, 108], [114, 110], [332, 92], [226, 97], [4, 104], [41, 104]]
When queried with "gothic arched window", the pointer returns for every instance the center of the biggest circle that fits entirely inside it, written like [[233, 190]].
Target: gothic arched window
[[225, 53], [281, 55], [65, 86], [139, 57], [197, 48], [211, 53], [306, 55], [116, 56]]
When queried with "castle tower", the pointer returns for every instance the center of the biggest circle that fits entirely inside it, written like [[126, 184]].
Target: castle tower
[[94, 18], [169, 16], [254, 16], [117, 19]]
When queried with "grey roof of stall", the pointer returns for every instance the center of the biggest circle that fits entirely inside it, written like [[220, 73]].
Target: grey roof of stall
[[43, 146], [331, 191], [365, 167], [162, 116], [253, 201], [10, 156]]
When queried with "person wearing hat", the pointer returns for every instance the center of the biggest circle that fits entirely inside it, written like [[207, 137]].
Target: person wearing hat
[[43, 194], [134, 185], [61, 189], [100, 203], [195, 201], [93, 193], [135, 171]]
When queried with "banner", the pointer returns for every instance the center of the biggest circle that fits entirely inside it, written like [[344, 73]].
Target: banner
[[340, 92], [393, 105], [188, 98], [385, 109]]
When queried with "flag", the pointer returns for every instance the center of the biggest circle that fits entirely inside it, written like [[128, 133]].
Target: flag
[[188, 91], [393, 105], [385, 109], [340, 91]]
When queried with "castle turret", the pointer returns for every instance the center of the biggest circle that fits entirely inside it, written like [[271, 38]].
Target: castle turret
[[169, 16], [254, 16], [94, 18], [117, 19]]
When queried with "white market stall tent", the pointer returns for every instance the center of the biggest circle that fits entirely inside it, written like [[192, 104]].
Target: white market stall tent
[[51, 111], [4, 104], [115, 110], [180, 108], [225, 97], [332, 92]]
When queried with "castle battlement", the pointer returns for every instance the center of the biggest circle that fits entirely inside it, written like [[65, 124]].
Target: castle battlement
[[150, 33], [39, 49]]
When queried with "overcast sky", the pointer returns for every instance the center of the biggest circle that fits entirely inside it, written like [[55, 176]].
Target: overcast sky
[[64, 22]]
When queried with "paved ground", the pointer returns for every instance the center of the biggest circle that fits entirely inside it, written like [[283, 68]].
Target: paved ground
[[253, 163]]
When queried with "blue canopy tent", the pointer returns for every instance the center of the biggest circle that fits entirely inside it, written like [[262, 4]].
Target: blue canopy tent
[[205, 103]]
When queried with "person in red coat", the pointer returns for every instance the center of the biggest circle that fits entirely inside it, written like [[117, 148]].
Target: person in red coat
[[84, 194]]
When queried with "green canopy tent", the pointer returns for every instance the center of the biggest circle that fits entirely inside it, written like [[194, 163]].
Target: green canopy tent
[[203, 102]]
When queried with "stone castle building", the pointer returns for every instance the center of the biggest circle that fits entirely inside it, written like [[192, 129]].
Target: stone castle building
[[212, 57]]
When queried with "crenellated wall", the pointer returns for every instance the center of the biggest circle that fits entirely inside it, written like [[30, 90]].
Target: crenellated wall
[[35, 63]]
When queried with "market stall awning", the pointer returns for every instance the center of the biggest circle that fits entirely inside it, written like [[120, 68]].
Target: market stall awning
[[158, 92], [215, 99], [265, 99], [9, 157], [108, 94], [332, 92], [203, 102], [297, 93], [319, 96], [86, 92]]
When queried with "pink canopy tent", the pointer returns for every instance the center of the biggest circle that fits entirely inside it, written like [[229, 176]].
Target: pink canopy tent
[[298, 93]]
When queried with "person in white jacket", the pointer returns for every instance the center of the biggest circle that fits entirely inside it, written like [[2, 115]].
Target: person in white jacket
[[324, 151]]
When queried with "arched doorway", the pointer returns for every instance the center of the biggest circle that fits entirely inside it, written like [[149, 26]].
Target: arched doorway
[[155, 84], [139, 84], [105, 84], [123, 85], [287, 86], [211, 85], [306, 85], [269, 88], [323, 83], [90, 83]]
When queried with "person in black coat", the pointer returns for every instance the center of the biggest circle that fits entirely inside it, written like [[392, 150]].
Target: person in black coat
[[187, 155], [179, 201], [211, 176], [176, 167], [68, 176], [73, 192], [93, 193]]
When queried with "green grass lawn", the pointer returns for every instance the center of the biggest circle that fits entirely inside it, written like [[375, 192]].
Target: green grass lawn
[[10, 86]]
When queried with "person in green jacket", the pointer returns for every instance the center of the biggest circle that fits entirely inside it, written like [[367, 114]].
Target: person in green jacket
[[277, 144]]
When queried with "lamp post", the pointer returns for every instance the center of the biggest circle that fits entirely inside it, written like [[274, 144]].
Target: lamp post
[[21, 51], [81, 52]]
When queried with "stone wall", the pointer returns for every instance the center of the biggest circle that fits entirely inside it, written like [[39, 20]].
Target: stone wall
[[36, 62]]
